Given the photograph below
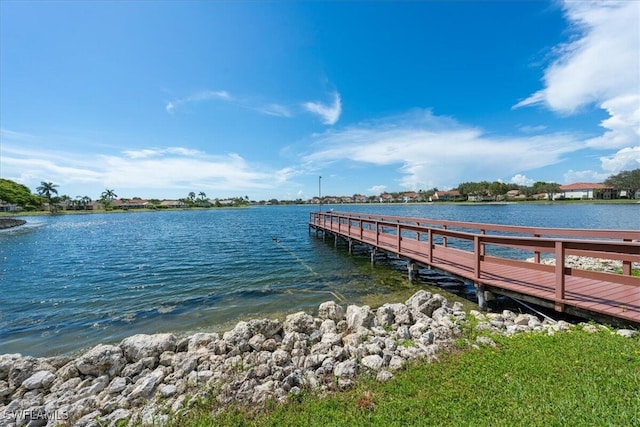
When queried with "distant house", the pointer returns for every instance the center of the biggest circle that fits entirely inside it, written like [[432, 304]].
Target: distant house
[[346, 199], [131, 204], [411, 196], [172, 204], [480, 198], [586, 190], [8, 207], [386, 198], [444, 196], [515, 194], [358, 198]]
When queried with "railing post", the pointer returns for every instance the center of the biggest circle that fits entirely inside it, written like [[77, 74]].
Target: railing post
[[559, 306], [430, 247], [476, 251], [444, 238], [377, 234], [483, 232], [626, 265], [361, 229], [398, 237], [536, 254]]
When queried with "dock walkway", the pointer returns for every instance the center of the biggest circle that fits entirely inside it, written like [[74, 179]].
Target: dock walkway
[[493, 258]]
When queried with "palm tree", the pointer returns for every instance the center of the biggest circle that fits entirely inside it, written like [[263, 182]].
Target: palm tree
[[107, 197], [46, 189], [202, 195], [86, 201]]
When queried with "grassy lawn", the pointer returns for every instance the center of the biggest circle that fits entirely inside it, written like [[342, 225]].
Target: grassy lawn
[[568, 379]]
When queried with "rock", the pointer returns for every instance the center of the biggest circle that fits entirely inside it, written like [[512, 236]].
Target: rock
[[6, 363], [332, 311], [118, 416], [373, 362], [328, 326], [145, 386], [385, 315], [256, 341], [141, 346], [266, 327], [396, 363], [299, 322], [100, 360], [359, 317], [200, 340], [346, 369], [486, 341], [627, 333], [384, 376], [168, 390], [117, 385], [280, 357], [41, 379]]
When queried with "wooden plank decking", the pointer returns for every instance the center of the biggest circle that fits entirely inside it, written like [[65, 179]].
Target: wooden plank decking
[[428, 242]]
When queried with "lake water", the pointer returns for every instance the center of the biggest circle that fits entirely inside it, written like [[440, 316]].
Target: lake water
[[72, 281]]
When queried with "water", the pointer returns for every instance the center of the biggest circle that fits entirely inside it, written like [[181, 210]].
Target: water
[[70, 282]]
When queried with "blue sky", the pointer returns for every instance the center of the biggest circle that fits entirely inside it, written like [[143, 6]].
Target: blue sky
[[157, 99]]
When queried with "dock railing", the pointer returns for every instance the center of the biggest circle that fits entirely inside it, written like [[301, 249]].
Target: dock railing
[[421, 239]]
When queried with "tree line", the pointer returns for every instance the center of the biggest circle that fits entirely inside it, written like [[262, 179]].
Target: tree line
[[14, 193]]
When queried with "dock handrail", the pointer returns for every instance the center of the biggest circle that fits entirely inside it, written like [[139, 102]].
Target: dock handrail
[[416, 238]]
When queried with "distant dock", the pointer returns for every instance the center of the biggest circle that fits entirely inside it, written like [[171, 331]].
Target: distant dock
[[11, 222]]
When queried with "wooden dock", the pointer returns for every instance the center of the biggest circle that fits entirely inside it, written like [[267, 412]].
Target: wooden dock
[[493, 258]]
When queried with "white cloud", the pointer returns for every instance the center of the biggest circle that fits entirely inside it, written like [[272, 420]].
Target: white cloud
[[276, 110], [329, 113], [625, 159], [377, 189], [155, 152], [520, 179], [150, 172], [572, 176], [599, 66], [533, 129], [197, 97], [435, 151], [623, 124]]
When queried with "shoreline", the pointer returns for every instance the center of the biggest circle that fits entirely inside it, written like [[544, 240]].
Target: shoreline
[[145, 377]]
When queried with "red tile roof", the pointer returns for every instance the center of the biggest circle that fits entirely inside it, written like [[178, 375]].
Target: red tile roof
[[583, 186]]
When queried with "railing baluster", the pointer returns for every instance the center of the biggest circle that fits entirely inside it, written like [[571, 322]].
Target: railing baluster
[[444, 238], [477, 248], [559, 305], [626, 265], [536, 254]]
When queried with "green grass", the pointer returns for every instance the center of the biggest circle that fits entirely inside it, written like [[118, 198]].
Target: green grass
[[569, 379]]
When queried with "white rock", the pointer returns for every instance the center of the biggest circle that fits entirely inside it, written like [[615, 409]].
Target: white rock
[[346, 369], [627, 333], [373, 362], [101, 359], [41, 379], [331, 310], [359, 317], [168, 390], [141, 346], [299, 322], [384, 376], [200, 340], [117, 385]]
